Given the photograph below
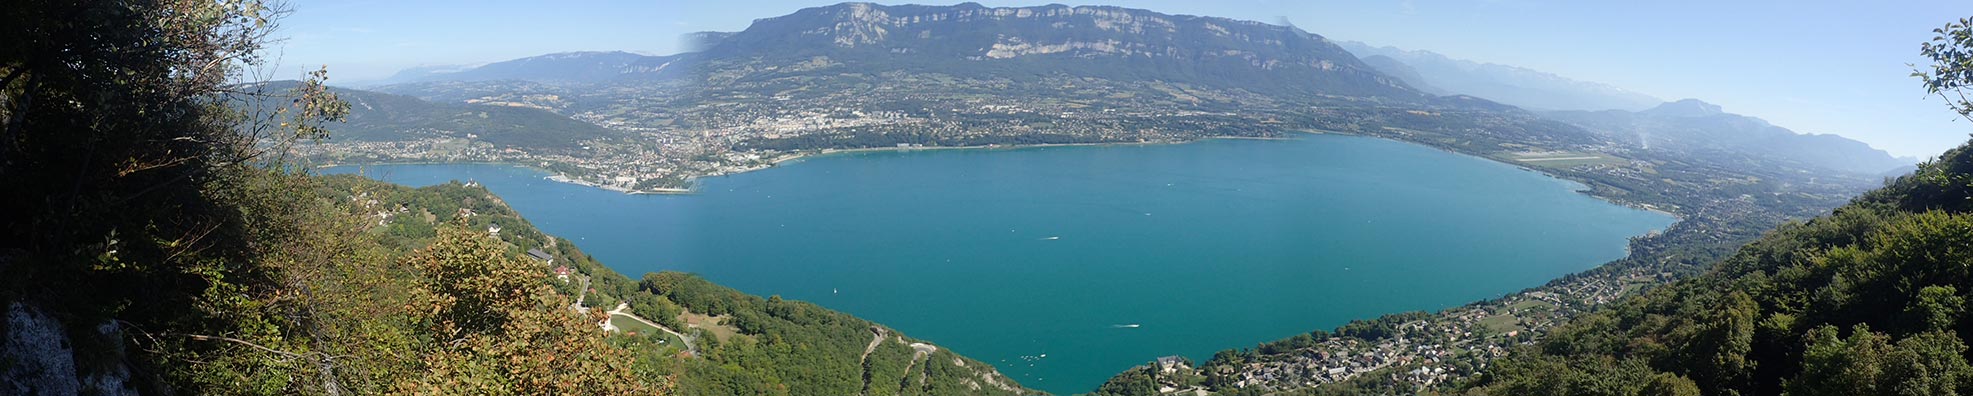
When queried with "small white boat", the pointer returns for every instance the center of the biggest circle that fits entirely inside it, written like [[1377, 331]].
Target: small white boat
[[1051, 238]]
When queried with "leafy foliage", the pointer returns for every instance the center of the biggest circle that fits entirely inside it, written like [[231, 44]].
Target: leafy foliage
[[794, 347], [146, 205], [1951, 73], [502, 330], [1772, 318]]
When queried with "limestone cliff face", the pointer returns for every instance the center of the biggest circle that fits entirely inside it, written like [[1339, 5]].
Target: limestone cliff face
[[38, 358], [971, 41], [1084, 41]]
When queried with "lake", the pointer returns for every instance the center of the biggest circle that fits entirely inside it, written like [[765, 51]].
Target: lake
[[1100, 257]]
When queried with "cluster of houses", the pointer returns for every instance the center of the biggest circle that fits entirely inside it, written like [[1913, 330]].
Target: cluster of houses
[[1453, 345]]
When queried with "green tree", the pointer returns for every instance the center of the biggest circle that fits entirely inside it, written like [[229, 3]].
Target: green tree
[[1833, 365], [1937, 308], [1951, 71], [136, 198], [1668, 384], [503, 330], [1721, 341], [1931, 363]]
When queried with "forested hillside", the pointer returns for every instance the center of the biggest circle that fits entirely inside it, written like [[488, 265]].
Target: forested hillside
[[1869, 300], [738, 343], [382, 117], [159, 241]]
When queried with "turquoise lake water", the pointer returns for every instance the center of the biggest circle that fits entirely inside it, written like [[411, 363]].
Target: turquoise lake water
[[1000, 254]]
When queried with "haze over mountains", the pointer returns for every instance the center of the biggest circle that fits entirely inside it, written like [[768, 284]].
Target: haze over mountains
[[1530, 89], [582, 66], [1691, 124], [1688, 124]]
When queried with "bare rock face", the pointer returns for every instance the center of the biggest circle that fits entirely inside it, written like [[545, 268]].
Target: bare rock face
[[974, 41], [38, 358]]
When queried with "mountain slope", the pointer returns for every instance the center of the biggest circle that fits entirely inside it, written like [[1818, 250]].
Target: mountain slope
[[977, 41], [1401, 71], [858, 75], [573, 67], [1107, 42], [1867, 300], [383, 117], [1693, 125], [749, 344], [1511, 85]]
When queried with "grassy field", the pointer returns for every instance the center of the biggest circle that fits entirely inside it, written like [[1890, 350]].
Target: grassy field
[[710, 324], [629, 325], [1501, 324]]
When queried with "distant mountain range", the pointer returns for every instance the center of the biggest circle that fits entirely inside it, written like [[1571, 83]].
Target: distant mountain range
[[973, 40], [1693, 125], [1042, 50], [1648, 122], [1064, 52], [1531, 89], [378, 116], [577, 67], [1105, 42]]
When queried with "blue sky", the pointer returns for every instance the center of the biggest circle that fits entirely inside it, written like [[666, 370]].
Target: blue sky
[[1812, 66]]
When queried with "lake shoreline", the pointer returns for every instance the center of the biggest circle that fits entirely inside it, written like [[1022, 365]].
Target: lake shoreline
[[886, 226], [798, 156]]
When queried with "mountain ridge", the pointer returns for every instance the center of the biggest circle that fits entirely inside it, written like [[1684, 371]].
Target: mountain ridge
[[1005, 42], [1692, 124], [1519, 86]]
